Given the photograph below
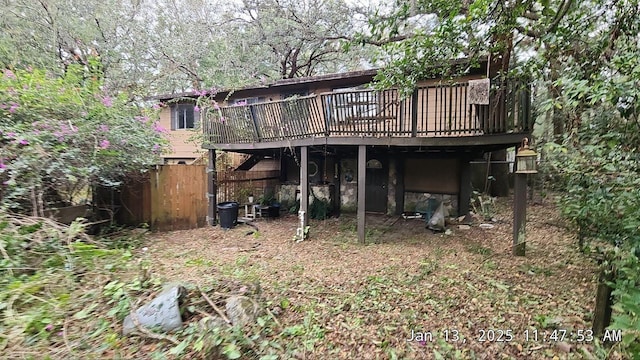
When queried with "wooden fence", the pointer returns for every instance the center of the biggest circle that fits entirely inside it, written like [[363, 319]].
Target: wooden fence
[[174, 197], [171, 197]]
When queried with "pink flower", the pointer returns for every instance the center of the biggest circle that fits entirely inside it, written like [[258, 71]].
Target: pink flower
[[158, 128], [13, 108], [104, 128], [9, 74], [216, 106], [11, 134], [23, 142], [222, 120], [106, 101], [156, 148], [196, 108], [156, 106], [2, 165], [49, 327], [104, 144]]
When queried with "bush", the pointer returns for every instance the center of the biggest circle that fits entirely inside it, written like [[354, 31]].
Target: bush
[[59, 136]]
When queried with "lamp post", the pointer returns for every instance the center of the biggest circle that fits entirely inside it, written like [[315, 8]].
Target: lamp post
[[525, 164]]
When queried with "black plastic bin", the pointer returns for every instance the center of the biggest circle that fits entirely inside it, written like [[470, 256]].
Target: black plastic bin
[[274, 210], [228, 214]]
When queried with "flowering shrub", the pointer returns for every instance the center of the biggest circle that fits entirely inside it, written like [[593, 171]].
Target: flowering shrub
[[59, 136]]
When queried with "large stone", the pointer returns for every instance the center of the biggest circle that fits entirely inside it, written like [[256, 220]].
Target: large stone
[[241, 310], [162, 312]]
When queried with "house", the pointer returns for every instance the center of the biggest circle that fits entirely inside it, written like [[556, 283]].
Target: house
[[339, 135]]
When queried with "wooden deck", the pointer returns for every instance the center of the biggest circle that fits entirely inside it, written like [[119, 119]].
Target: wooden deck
[[437, 115]]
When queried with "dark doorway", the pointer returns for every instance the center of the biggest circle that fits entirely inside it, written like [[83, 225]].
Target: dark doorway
[[376, 186]]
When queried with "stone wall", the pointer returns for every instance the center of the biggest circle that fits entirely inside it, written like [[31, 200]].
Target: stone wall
[[418, 200], [289, 194]]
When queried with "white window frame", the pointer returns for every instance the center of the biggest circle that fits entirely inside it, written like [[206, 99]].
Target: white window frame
[[179, 114]]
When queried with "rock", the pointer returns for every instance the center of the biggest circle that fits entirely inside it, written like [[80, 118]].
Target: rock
[[486, 226], [464, 227], [276, 311], [448, 232], [163, 312], [241, 310]]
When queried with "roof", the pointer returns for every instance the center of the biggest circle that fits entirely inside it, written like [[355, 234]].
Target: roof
[[367, 75], [361, 76]]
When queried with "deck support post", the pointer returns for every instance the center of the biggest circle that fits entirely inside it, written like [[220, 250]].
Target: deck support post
[[362, 174], [464, 194], [399, 163], [304, 183], [519, 214], [212, 188]]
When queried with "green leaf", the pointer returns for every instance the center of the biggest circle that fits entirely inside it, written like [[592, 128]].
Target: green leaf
[[84, 313], [179, 349], [231, 351]]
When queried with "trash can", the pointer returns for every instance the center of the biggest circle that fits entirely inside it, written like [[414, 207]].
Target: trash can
[[228, 214], [274, 210]]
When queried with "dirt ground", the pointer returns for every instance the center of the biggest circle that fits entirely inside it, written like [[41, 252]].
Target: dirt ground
[[461, 295]]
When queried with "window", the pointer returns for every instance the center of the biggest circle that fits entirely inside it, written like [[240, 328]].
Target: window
[[247, 101], [183, 116]]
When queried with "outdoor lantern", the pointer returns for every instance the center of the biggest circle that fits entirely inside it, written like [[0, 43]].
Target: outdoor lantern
[[526, 159]]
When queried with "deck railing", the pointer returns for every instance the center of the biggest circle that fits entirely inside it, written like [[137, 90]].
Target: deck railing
[[441, 110]]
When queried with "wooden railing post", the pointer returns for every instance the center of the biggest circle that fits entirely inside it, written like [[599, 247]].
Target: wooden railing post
[[414, 113]]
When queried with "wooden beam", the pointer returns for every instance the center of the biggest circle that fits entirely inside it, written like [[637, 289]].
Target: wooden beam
[[399, 163], [304, 183], [602, 311], [362, 174], [414, 113], [499, 141], [212, 188]]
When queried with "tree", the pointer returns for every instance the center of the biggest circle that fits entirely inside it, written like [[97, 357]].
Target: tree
[[145, 47], [268, 40]]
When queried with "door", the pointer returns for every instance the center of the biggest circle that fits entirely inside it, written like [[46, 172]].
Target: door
[[376, 185]]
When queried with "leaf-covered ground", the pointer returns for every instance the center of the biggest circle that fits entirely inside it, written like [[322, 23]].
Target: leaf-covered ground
[[344, 300]]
